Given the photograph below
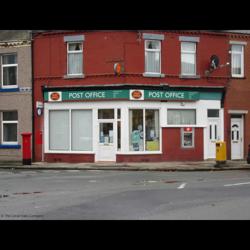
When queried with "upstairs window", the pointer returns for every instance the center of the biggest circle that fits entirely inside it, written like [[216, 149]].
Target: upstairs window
[[237, 57], [75, 58], [9, 127], [153, 56], [188, 58], [9, 71]]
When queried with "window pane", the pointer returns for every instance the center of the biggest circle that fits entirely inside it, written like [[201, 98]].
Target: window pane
[[9, 59], [10, 116], [10, 132], [181, 117], [188, 46], [59, 130], [152, 44], [136, 140], [9, 75], [187, 139], [213, 113], [152, 130], [118, 135], [75, 46], [152, 61], [188, 63], [106, 114], [236, 64], [81, 127], [75, 63], [118, 113], [106, 133], [237, 48]]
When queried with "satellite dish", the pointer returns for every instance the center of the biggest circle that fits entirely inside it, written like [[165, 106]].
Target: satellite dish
[[214, 62]]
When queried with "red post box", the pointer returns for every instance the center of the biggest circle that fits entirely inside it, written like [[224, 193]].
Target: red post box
[[26, 148]]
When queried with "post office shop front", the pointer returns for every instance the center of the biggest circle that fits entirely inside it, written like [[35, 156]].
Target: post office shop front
[[129, 125]]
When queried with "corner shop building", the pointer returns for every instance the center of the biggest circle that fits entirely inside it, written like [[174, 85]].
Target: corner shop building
[[131, 123]]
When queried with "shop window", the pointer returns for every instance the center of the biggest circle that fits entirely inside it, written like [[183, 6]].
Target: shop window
[[187, 137], [9, 71], [138, 119], [188, 58], [237, 58], [106, 114], [152, 130], [181, 116], [9, 127], [136, 130], [59, 130], [70, 130], [213, 113], [81, 130], [153, 56], [75, 58]]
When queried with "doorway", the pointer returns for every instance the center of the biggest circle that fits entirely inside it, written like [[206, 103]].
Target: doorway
[[106, 150], [236, 138]]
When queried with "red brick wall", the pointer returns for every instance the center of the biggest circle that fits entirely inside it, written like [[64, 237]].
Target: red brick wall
[[238, 97], [171, 148], [103, 48], [71, 158]]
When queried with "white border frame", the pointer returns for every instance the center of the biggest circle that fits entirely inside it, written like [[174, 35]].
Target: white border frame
[[242, 60], [74, 52], [191, 53], [152, 50], [8, 122], [9, 65]]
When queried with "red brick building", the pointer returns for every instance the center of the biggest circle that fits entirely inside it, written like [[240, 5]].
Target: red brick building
[[237, 98], [129, 95]]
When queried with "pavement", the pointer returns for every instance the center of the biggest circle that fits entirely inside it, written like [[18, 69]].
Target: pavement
[[207, 165]]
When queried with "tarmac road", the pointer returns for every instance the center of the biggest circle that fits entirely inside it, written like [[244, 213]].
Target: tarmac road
[[123, 195]]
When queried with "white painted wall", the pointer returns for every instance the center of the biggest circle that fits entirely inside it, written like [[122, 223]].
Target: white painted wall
[[201, 107]]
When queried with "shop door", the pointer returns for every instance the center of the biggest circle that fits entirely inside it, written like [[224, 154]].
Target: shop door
[[236, 138], [106, 145], [213, 136]]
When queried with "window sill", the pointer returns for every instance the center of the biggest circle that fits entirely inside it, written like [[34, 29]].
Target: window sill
[[139, 153], [16, 89], [189, 76], [153, 75], [2, 146], [74, 76], [238, 77]]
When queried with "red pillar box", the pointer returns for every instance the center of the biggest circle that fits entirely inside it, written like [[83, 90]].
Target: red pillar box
[[26, 148]]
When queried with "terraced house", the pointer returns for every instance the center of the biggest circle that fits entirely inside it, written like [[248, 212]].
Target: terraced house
[[15, 92]]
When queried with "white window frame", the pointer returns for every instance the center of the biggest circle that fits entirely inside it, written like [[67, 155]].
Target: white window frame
[[152, 50], [70, 151], [195, 59], [9, 65], [182, 125], [182, 138], [242, 60], [2, 135], [144, 131], [74, 52]]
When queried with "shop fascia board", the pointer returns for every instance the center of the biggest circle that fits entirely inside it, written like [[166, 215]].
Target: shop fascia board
[[132, 85]]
